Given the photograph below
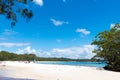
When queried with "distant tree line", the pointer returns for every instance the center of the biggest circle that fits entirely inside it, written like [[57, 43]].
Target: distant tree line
[[8, 56]]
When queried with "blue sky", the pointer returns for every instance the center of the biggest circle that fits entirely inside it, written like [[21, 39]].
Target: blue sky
[[60, 28]]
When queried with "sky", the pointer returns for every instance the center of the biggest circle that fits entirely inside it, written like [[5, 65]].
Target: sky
[[59, 28]]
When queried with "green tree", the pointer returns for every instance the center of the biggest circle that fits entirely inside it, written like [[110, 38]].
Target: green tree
[[10, 8], [108, 47]]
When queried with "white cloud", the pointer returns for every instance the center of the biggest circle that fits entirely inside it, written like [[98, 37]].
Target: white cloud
[[38, 2], [9, 32], [73, 39], [64, 1], [58, 23], [42, 53], [5, 44], [83, 31], [112, 25], [58, 40], [81, 52], [2, 38], [72, 52], [26, 50]]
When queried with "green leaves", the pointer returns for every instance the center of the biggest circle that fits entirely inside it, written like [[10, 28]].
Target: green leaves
[[5, 56], [10, 8], [108, 46]]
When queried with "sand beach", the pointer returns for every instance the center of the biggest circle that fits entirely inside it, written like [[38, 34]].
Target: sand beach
[[32, 71]]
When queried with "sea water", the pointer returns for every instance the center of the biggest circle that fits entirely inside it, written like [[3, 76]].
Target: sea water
[[74, 63]]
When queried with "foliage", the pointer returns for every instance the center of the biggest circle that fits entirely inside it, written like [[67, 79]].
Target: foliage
[[10, 8], [108, 47], [7, 56], [62, 59]]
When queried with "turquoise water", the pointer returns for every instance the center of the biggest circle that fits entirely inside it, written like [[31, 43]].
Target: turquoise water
[[89, 64]]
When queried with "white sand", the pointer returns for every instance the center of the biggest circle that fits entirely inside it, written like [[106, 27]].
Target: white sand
[[55, 72]]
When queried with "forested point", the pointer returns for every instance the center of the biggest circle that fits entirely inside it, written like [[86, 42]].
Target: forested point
[[7, 56]]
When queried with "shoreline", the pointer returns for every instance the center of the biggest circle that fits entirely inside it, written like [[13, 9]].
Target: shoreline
[[33, 71]]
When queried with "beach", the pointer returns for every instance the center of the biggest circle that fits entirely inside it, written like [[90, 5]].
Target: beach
[[32, 71]]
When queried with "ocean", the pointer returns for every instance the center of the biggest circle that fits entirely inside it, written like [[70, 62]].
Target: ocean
[[74, 63]]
